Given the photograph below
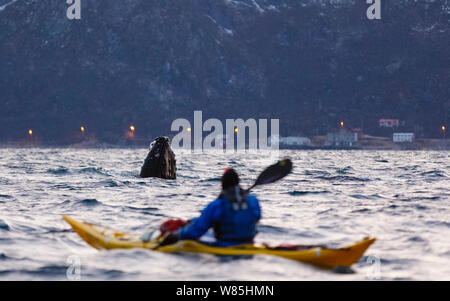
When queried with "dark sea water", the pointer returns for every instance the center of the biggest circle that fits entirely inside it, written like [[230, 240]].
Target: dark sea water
[[332, 197]]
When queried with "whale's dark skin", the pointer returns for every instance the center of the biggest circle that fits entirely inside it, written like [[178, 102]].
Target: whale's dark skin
[[160, 161]]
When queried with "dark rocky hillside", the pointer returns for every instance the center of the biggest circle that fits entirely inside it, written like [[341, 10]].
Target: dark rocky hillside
[[147, 62]]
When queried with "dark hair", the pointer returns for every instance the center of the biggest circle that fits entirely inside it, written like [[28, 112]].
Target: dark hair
[[229, 178]]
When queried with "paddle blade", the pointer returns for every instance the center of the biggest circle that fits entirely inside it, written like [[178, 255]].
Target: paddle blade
[[274, 172]]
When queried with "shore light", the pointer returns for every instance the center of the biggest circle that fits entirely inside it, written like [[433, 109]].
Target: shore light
[[132, 128], [443, 128], [30, 132], [342, 124], [82, 129]]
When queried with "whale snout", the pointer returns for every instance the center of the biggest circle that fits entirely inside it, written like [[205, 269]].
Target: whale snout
[[160, 161]]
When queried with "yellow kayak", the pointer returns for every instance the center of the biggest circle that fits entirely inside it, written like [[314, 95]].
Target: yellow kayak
[[104, 238]]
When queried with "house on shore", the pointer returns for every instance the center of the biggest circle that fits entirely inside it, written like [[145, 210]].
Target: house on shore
[[389, 123], [403, 138], [295, 141], [343, 138], [291, 141]]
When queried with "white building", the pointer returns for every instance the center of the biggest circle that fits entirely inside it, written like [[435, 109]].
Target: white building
[[343, 138], [403, 137], [291, 141], [295, 141]]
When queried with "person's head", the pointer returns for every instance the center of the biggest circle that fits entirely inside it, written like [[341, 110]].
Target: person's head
[[230, 178]]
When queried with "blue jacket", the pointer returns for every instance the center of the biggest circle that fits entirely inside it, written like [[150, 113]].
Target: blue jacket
[[230, 226]]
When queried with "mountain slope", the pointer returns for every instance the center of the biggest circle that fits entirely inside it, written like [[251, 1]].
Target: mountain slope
[[147, 62]]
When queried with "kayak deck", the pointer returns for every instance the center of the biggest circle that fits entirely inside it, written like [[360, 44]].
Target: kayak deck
[[104, 238]]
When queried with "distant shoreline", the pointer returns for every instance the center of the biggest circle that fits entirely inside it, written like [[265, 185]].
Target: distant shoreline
[[369, 148], [298, 148], [365, 142]]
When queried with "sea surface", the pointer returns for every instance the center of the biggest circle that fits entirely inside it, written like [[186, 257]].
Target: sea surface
[[332, 197]]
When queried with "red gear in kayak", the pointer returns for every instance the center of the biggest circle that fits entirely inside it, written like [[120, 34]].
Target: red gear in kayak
[[172, 225]]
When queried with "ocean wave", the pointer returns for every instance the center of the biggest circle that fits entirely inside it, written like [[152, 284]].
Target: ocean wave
[[89, 202], [215, 179], [381, 161], [421, 198], [58, 171], [343, 270], [344, 170], [57, 230], [145, 209], [4, 225], [433, 173], [420, 207], [416, 239], [298, 192], [326, 211], [438, 223], [309, 234], [63, 186], [93, 170], [362, 210], [406, 168], [318, 203], [109, 183], [107, 274], [44, 271], [82, 202], [315, 172], [343, 179], [364, 197], [404, 262], [418, 199], [271, 229]]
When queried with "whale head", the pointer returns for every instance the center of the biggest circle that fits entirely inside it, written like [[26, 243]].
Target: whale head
[[160, 161]]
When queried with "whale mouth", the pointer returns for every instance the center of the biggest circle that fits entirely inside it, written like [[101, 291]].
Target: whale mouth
[[160, 161]]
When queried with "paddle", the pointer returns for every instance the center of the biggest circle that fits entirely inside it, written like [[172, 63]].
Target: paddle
[[273, 173]]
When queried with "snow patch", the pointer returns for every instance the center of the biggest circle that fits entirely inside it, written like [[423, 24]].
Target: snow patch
[[258, 7], [252, 4], [211, 18], [228, 31], [225, 30], [3, 7]]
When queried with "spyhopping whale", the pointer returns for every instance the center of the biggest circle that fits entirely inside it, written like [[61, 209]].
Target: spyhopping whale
[[160, 161]]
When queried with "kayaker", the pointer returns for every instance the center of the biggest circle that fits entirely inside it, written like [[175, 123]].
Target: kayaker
[[233, 216]]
